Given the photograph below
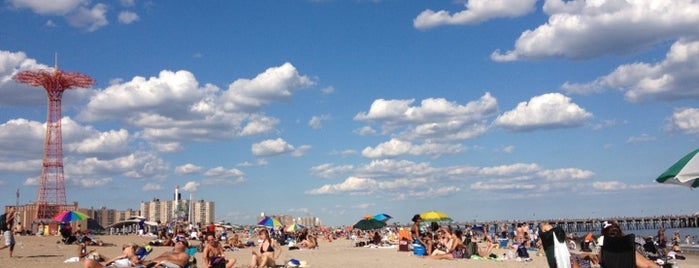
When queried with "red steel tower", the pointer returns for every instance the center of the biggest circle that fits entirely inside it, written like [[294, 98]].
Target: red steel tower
[[52, 189]]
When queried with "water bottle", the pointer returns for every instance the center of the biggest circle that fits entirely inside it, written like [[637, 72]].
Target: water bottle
[[510, 255]]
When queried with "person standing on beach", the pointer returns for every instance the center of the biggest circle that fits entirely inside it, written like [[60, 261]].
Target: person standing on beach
[[549, 237], [6, 221]]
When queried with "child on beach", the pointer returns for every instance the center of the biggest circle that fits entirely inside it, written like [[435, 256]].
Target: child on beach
[[6, 221]]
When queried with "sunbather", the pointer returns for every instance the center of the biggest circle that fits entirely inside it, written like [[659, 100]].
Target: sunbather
[[267, 252], [177, 258], [213, 254], [126, 259]]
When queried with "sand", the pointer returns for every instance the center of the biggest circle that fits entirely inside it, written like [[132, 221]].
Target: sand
[[44, 252]]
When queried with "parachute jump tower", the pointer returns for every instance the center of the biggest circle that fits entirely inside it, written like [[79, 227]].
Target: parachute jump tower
[[52, 191]]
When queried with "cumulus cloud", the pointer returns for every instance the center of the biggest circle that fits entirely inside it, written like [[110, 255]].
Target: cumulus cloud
[[272, 147], [396, 147], [188, 169], [173, 107], [191, 186], [674, 78], [151, 187], [90, 19], [274, 84], [316, 121], [128, 17], [685, 120], [552, 110], [49, 7], [585, 29], [476, 11], [402, 179], [223, 176], [15, 94], [329, 171], [434, 120]]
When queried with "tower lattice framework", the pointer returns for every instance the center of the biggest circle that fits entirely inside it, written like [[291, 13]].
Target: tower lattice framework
[[52, 191]]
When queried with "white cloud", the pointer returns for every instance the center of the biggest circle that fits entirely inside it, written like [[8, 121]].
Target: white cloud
[[352, 184], [640, 139], [272, 147], [89, 19], [151, 187], [188, 169], [672, 79], [365, 131], [686, 120], [476, 11], [274, 84], [91, 183], [191, 186], [565, 174], [173, 108], [135, 165], [552, 110], [223, 172], [435, 120], [328, 171], [316, 121], [128, 17], [585, 29], [396, 147], [49, 7]]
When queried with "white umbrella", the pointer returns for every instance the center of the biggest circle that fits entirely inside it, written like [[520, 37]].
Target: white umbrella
[[684, 172]]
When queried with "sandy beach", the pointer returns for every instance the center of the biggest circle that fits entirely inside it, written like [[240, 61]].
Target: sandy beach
[[44, 252]]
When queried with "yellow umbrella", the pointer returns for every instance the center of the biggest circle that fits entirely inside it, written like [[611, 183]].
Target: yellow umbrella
[[434, 215]]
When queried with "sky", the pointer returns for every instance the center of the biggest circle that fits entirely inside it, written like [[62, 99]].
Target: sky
[[482, 109]]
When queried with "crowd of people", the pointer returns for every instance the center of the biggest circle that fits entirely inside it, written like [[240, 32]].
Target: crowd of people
[[440, 242]]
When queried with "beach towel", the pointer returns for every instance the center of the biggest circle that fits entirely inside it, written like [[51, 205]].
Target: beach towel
[[561, 252]]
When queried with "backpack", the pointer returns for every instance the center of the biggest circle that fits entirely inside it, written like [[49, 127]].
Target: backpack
[[3, 222]]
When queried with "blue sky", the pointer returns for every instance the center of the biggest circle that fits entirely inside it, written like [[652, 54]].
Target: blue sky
[[483, 109]]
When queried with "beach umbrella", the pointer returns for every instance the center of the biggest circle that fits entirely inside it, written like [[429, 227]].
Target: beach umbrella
[[683, 172], [295, 227], [270, 222], [70, 215], [382, 217], [369, 224], [434, 215]]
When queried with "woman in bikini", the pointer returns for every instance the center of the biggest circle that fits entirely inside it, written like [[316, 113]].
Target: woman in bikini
[[268, 251]]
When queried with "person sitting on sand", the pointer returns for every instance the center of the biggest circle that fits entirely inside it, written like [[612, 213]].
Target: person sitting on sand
[[309, 243], [234, 242], [268, 251], [455, 249], [126, 259], [213, 254], [177, 258]]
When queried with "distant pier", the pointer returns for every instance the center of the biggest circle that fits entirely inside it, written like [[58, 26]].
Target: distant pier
[[595, 225]]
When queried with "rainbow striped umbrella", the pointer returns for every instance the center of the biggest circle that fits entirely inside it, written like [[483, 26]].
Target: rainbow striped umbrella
[[70, 215], [270, 222], [295, 227]]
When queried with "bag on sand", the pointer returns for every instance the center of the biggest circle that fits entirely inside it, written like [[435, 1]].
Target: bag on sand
[[561, 252]]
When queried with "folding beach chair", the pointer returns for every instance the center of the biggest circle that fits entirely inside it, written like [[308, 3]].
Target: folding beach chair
[[619, 252]]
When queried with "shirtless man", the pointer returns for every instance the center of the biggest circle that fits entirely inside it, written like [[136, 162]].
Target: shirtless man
[[213, 253], [177, 258]]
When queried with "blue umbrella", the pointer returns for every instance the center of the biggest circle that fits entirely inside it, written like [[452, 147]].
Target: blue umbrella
[[382, 217]]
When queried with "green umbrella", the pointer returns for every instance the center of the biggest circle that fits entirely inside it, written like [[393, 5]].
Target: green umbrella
[[369, 224], [684, 172]]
